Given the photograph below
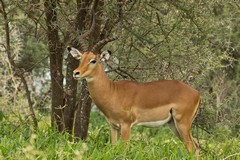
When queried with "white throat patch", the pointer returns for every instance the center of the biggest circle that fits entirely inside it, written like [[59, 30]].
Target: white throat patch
[[88, 79]]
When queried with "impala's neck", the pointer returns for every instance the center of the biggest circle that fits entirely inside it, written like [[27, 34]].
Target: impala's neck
[[100, 85]]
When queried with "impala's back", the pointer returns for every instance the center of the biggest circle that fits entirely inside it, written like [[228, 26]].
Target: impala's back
[[154, 98]]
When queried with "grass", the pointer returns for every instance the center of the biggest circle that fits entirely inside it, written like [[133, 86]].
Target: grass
[[18, 141]]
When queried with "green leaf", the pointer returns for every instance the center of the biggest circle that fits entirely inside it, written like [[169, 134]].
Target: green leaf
[[1, 116]]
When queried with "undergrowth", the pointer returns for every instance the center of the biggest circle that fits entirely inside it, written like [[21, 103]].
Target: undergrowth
[[19, 141]]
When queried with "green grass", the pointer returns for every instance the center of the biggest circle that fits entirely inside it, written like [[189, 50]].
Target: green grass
[[18, 141]]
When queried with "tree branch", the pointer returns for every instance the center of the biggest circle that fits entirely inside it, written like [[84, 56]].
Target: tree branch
[[121, 72], [17, 72]]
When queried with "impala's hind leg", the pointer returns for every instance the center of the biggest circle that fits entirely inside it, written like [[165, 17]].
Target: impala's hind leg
[[182, 125], [186, 137], [171, 124]]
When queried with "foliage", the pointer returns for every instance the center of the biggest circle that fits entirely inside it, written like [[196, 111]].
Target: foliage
[[33, 55]]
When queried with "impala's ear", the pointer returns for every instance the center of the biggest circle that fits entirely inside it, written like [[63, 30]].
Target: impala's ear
[[74, 52], [105, 55]]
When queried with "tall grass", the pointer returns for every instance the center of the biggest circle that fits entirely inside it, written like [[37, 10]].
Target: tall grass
[[18, 141]]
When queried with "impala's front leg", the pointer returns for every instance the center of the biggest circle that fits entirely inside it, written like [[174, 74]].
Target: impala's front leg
[[125, 131], [115, 134]]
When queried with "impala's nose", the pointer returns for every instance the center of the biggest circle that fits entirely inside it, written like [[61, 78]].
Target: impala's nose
[[76, 74]]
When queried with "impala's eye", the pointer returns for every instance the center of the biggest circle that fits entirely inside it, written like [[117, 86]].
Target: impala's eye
[[93, 61]]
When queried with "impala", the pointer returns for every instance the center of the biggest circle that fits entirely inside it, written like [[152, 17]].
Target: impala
[[126, 103]]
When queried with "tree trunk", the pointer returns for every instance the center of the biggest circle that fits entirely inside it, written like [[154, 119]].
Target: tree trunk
[[56, 62], [71, 83], [70, 96], [83, 113]]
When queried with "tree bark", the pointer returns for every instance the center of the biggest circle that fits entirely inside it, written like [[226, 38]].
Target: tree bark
[[70, 95], [71, 83], [56, 62], [83, 113]]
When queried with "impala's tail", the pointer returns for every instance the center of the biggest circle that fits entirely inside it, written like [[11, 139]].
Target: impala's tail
[[196, 109]]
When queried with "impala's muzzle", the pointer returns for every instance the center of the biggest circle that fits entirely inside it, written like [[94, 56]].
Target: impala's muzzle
[[76, 75]]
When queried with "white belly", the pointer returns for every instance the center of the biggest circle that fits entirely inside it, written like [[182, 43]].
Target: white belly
[[153, 123]]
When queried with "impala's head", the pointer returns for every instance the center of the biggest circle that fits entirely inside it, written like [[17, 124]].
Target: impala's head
[[90, 59], [89, 62]]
